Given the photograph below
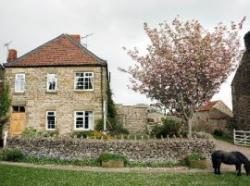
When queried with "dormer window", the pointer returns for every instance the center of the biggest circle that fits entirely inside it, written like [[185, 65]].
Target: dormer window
[[51, 82], [84, 81]]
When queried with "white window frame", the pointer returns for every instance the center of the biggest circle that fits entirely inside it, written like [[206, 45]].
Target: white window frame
[[91, 121], [49, 129], [24, 83], [75, 81], [48, 90]]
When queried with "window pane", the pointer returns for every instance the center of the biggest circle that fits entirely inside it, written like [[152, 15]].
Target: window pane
[[19, 82], [51, 120], [51, 81], [84, 81], [79, 113]]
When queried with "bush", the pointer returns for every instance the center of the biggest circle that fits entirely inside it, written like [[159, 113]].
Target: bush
[[169, 128], [4, 101], [110, 156], [33, 133], [194, 156], [81, 134], [218, 132], [113, 127], [99, 125], [91, 134], [12, 155]]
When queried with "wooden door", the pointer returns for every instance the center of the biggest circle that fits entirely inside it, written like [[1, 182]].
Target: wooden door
[[17, 123]]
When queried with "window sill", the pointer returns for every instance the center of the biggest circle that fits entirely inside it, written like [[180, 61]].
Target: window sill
[[50, 130], [81, 130], [84, 90], [19, 93]]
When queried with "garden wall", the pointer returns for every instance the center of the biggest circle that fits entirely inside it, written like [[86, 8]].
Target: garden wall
[[134, 150]]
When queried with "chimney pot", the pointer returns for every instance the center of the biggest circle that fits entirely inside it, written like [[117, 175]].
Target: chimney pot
[[12, 55], [76, 37]]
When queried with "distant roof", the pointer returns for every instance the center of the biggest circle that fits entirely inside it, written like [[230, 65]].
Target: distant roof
[[218, 105], [63, 50], [207, 106]]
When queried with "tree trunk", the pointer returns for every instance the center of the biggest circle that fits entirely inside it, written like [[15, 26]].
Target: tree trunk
[[189, 128]]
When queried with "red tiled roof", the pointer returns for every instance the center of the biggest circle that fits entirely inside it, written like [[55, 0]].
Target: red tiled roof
[[207, 106], [64, 50]]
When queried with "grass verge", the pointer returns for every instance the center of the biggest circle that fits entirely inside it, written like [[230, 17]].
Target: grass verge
[[20, 176]]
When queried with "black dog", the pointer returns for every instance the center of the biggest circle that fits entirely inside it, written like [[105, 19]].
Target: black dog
[[232, 158]]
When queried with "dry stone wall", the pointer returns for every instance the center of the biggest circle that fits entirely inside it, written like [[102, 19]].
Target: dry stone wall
[[134, 150]]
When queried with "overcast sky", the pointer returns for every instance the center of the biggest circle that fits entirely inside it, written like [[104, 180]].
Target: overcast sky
[[114, 24]]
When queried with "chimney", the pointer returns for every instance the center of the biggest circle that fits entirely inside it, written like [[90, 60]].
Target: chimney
[[76, 37], [12, 55]]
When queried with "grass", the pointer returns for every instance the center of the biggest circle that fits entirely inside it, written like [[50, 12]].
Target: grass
[[94, 162], [19, 176], [224, 138]]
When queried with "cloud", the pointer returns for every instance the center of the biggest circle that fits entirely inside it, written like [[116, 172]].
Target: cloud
[[115, 23]]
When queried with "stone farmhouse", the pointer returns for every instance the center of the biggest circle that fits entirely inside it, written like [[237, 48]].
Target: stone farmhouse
[[59, 86], [241, 89], [212, 115]]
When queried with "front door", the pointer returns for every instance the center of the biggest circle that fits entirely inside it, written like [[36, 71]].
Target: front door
[[17, 120]]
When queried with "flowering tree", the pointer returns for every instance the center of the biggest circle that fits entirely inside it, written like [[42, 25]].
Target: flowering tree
[[185, 64]]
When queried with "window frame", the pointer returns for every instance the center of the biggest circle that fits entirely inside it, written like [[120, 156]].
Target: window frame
[[47, 83], [91, 121], [47, 126], [24, 84], [75, 81]]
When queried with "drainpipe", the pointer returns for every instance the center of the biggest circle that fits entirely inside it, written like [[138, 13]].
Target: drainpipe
[[104, 107]]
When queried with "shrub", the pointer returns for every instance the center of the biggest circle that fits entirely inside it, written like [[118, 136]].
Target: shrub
[[81, 134], [91, 134], [12, 155], [33, 133], [110, 156], [113, 127], [99, 125], [193, 156], [169, 128], [29, 133], [218, 132], [4, 101]]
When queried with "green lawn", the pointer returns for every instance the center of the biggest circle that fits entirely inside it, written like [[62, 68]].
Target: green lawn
[[16, 176]]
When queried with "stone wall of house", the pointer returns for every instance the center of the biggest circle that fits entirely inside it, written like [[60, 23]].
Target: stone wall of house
[[133, 117], [241, 91], [64, 101], [142, 150], [209, 120]]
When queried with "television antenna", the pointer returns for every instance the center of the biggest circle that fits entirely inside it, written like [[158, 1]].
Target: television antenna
[[86, 39], [7, 45]]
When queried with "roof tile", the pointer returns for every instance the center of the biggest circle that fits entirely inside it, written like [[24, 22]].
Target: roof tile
[[61, 51]]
